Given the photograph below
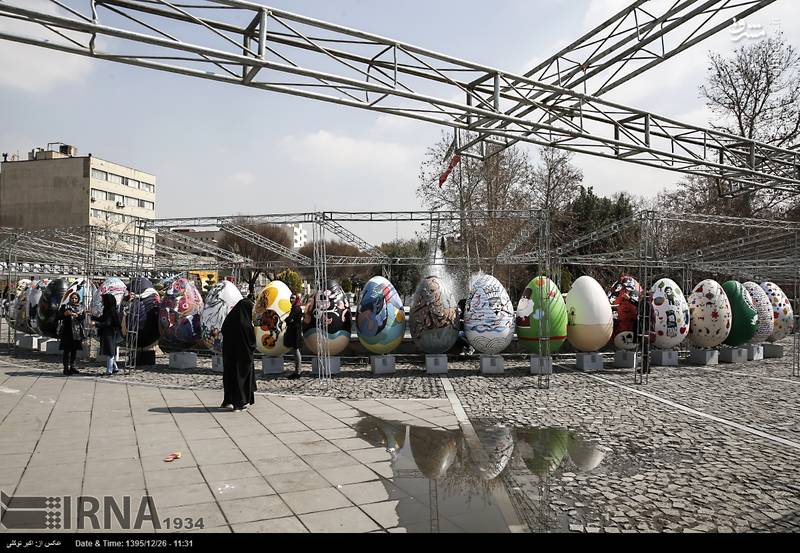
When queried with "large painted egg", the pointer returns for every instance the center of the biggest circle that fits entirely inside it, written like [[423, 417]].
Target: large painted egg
[[489, 315], [34, 295], [332, 304], [745, 316], [624, 298], [434, 316], [498, 442], [220, 300], [86, 292], [381, 321], [434, 450], [766, 322], [669, 321], [584, 454], [22, 286], [21, 322], [47, 313], [179, 315], [541, 302], [710, 321], [782, 312], [273, 305], [113, 286], [590, 321], [142, 314]]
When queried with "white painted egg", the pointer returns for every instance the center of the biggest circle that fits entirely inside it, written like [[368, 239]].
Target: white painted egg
[[669, 318], [763, 305], [489, 315], [782, 312], [711, 315], [220, 300], [590, 321], [273, 305]]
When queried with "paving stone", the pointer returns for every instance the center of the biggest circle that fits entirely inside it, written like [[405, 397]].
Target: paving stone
[[340, 520], [285, 525], [315, 500], [297, 481], [254, 509]]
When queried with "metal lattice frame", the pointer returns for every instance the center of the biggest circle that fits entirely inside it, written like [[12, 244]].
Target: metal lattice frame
[[263, 242], [273, 50]]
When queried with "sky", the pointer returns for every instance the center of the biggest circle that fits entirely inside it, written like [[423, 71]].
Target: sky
[[219, 149]]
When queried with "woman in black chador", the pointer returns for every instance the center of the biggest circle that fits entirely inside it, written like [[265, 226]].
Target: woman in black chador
[[238, 344], [71, 332], [109, 330]]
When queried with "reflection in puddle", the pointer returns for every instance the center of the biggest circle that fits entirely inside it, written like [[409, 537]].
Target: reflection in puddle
[[436, 485]]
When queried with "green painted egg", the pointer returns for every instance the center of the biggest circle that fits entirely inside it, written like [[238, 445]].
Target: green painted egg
[[541, 302], [745, 316]]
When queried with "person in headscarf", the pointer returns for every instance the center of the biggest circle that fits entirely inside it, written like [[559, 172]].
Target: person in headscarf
[[109, 330], [294, 334], [71, 332], [238, 345]]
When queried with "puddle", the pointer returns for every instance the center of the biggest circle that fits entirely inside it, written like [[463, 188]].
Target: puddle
[[436, 485]]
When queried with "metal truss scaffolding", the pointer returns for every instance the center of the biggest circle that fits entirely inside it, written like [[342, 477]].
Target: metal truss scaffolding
[[252, 45]]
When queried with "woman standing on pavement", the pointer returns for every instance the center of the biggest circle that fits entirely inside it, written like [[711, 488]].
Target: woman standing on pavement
[[238, 346], [294, 334], [71, 332], [109, 329]]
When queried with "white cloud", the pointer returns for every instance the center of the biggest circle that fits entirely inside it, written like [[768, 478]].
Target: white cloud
[[36, 69]]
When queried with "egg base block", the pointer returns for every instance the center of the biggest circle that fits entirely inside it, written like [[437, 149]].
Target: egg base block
[[335, 365], [51, 348], [44, 343], [589, 362], [28, 341], [436, 363], [271, 366], [182, 360], [704, 357], [492, 364], [541, 366], [773, 351], [216, 364], [664, 358], [755, 353], [733, 355], [382, 364], [626, 359]]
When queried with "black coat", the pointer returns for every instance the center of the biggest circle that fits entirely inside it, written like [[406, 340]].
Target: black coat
[[109, 331], [238, 345], [294, 328], [71, 332]]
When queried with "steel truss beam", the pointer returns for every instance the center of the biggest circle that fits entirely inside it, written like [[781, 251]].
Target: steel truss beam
[[351, 238], [278, 51], [194, 243], [638, 38], [263, 242]]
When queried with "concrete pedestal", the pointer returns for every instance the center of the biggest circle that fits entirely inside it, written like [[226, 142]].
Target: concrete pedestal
[[28, 341], [755, 353], [704, 357], [589, 362], [664, 358], [216, 364], [626, 359], [773, 351], [51, 348], [492, 364], [271, 366], [18, 336], [436, 364], [43, 343], [335, 365], [733, 355], [182, 360], [541, 365], [382, 364]]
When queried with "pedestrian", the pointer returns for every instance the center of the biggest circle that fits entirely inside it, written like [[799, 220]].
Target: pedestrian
[[71, 332], [294, 334], [238, 345], [109, 330]]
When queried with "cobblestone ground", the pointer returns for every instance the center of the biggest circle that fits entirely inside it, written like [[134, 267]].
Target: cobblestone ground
[[664, 469], [666, 464]]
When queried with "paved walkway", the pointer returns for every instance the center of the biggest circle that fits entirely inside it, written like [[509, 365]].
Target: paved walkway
[[289, 464]]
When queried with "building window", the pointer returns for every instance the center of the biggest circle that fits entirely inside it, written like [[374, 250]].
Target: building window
[[99, 175], [99, 194], [133, 183], [116, 179], [148, 187], [147, 205]]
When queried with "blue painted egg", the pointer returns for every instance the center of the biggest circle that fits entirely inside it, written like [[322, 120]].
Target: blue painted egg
[[381, 321]]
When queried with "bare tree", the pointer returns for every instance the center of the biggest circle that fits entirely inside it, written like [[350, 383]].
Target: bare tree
[[555, 180], [260, 256], [756, 92]]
